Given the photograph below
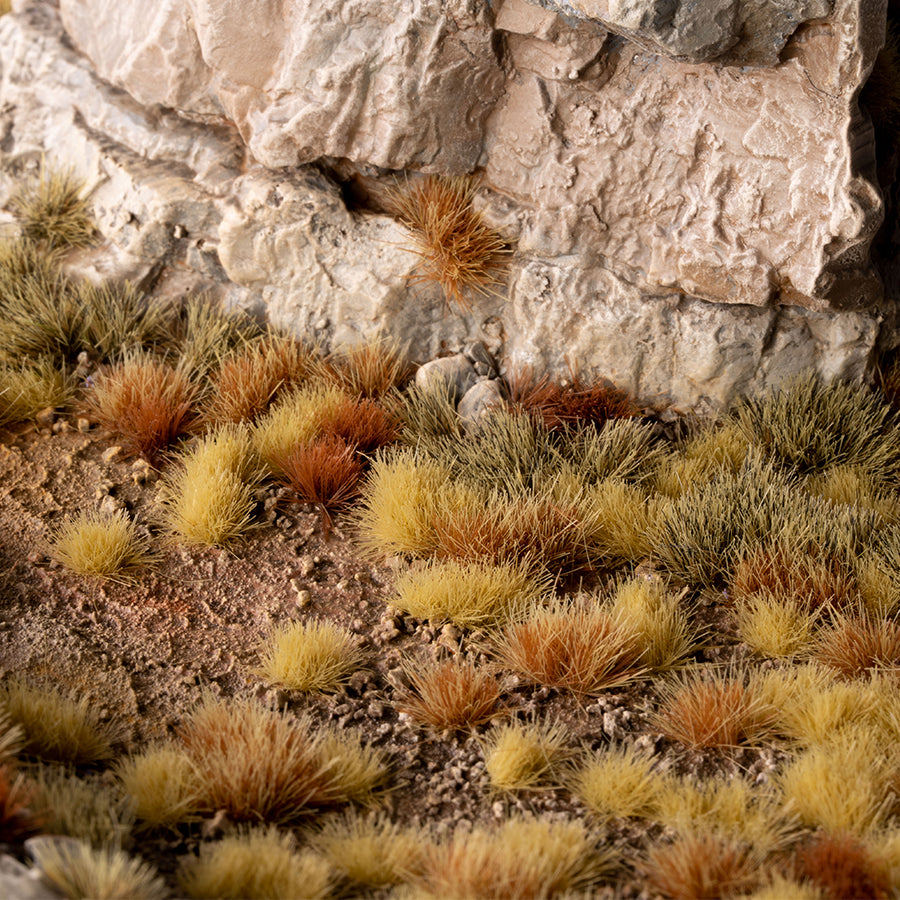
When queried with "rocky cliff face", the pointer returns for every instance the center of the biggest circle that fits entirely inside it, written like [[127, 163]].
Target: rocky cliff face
[[689, 188]]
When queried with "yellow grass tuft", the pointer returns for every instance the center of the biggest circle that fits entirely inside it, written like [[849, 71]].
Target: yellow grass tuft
[[79, 871], [522, 858], [262, 864], [854, 486], [522, 755], [775, 626], [619, 782], [708, 453], [295, 418], [25, 390], [101, 544], [162, 785], [646, 606], [474, 594], [368, 851], [359, 770], [209, 499], [310, 656], [58, 727]]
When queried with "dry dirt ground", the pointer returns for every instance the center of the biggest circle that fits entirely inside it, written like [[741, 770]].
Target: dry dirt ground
[[145, 650]]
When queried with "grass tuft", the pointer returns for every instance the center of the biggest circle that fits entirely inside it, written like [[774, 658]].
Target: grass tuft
[[571, 646], [709, 709], [148, 404], [456, 249], [450, 695], [310, 656], [209, 499], [841, 866], [775, 626], [701, 867], [162, 785], [20, 814], [522, 755], [26, 390], [619, 782], [52, 210], [523, 858], [105, 545], [57, 727], [373, 368], [80, 872], [369, 851], [262, 864], [363, 423], [854, 644], [476, 594]]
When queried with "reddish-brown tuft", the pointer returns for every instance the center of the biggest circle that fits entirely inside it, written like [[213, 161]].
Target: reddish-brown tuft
[[841, 867], [853, 644], [18, 818], [363, 423]]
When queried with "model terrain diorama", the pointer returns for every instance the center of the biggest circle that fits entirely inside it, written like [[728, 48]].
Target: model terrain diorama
[[285, 618]]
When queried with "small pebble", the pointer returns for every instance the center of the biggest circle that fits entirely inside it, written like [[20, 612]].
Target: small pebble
[[83, 425]]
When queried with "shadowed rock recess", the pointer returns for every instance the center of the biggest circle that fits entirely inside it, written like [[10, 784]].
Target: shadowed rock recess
[[688, 189]]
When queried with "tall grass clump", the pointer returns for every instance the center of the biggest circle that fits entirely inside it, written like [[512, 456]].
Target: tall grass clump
[[104, 545], [52, 209], [202, 333], [209, 498], [456, 249], [623, 450], [118, 318], [373, 368], [146, 403], [808, 426], [707, 453]]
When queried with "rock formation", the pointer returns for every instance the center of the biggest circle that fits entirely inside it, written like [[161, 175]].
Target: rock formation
[[689, 188]]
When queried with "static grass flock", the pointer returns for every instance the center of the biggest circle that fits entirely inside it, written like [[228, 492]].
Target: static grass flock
[[561, 536]]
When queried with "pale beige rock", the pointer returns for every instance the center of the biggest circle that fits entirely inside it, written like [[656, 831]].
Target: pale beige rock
[[741, 187], [401, 85]]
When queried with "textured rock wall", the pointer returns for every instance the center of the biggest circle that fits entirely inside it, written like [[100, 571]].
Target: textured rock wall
[[691, 196]]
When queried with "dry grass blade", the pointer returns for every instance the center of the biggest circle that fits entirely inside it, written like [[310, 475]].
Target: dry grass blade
[[456, 248], [52, 210], [571, 646], [450, 695], [148, 404]]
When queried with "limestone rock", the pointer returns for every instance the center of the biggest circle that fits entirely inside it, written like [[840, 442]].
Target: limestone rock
[[479, 400], [453, 374], [18, 882], [401, 85]]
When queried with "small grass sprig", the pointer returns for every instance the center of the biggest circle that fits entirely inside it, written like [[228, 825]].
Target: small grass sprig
[[456, 248], [571, 646], [310, 656], [450, 695], [522, 755], [103, 545], [372, 368]]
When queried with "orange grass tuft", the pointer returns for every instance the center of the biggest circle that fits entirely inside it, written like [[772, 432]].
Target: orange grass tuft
[[18, 816], [701, 867], [456, 248], [325, 471], [145, 402], [780, 571], [560, 406], [573, 647], [708, 710], [841, 866], [247, 380], [854, 644], [450, 695]]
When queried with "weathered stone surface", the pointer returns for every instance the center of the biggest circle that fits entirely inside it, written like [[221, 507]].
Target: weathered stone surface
[[454, 375], [479, 400], [18, 882], [737, 32], [402, 85], [672, 245]]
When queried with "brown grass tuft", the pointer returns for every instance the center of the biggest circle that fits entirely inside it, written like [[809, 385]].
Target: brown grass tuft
[[841, 866], [456, 248], [370, 369], [574, 647], [325, 471], [147, 403], [708, 709], [853, 644], [560, 406], [450, 695], [701, 867], [363, 423]]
